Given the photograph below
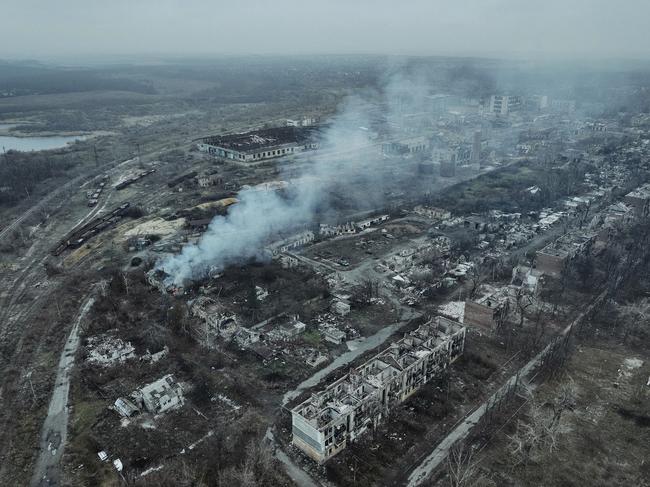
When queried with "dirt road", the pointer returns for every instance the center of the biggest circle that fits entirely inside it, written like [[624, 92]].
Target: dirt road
[[55, 427]]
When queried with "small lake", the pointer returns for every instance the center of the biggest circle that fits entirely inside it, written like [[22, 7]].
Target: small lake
[[35, 143]]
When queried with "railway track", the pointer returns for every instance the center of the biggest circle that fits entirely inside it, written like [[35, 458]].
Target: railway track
[[81, 235]]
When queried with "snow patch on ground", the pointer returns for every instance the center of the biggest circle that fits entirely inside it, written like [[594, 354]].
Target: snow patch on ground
[[633, 363], [454, 310]]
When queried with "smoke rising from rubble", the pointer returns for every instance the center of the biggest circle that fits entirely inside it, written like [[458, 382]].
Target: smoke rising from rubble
[[262, 217]]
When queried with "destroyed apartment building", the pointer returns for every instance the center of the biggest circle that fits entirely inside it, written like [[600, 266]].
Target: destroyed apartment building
[[489, 309], [328, 420], [554, 258], [639, 199], [607, 222], [259, 145]]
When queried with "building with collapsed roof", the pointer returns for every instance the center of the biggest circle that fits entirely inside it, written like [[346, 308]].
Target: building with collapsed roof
[[368, 222], [340, 307], [607, 222], [333, 335], [639, 199], [207, 180], [489, 309], [432, 212], [528, 278], [553, 259], [259, 145], [216, 321], [326, 230], [160, 280], [286, 331], [158, 397], [406, 146], [108, 350], [325, 423], [292, 243]]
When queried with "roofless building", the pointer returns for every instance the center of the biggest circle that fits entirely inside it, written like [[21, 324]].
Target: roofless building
[[259, 145], [326, 422]]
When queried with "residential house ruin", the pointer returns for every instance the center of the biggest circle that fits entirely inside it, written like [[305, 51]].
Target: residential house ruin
[[109, 350], [527, 277], [216, 321], [156, 398], [161, 396], [432, 212], [207, 180], [333, 335], [287, 331], [340, 307]]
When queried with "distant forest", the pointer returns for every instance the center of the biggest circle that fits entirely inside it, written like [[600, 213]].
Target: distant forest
[[18, 79]]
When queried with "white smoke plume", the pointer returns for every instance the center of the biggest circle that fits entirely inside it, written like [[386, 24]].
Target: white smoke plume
[[260, 216]]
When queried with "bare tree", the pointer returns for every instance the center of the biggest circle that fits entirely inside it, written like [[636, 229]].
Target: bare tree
[[476, 276], [102, 285], [633, 316], [539, 433], [125, 278], [524, 301], [461, 467]]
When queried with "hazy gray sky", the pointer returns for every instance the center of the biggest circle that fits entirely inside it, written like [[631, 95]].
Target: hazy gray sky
[[569, 28]]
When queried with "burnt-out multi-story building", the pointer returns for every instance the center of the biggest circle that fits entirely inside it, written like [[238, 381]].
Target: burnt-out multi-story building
[[554, 258], [326, 422], [639, 199], [488, 309], [259, 145]]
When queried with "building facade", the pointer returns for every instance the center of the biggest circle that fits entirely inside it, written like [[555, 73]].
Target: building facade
[[504, 104]]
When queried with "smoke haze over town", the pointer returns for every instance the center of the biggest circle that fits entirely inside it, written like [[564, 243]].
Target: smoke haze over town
[[323, 243]]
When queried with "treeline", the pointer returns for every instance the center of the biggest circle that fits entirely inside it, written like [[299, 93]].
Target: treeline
[[20, 172], [18, 79]]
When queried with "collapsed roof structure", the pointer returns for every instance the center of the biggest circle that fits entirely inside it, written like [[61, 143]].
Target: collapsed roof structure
[[261, 144]]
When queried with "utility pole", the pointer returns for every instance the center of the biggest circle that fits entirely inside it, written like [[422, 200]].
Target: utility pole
[[95, 153]]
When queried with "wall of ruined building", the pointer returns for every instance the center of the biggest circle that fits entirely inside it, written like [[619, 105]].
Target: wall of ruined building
[[551, 265], [479, 315], [641, 205], [309, 439]]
